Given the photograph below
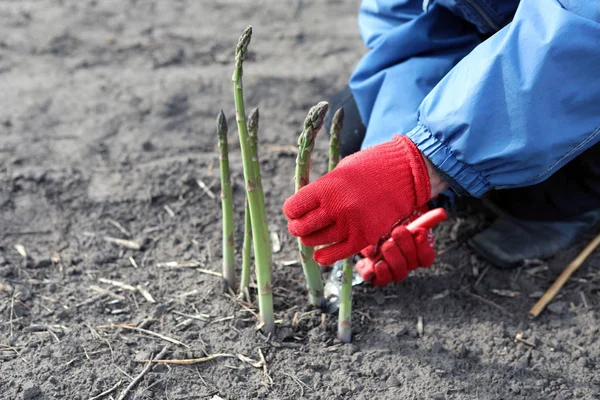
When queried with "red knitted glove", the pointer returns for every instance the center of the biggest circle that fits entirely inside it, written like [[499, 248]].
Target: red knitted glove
[[410, 247], [360, 200]]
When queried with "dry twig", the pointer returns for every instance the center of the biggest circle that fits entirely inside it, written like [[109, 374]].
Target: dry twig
[[128, 244], [107, 392], [190, 361], [489, 302], [147, 332], [564, 277], [141, 375]]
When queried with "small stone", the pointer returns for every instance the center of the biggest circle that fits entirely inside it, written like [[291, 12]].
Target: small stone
[[46, 353], [584, 362], [555, 345], [305, 378], [350, 349], [514, 387], [147, 146], [557, 307], [392, 381], [463, 351], [379, 298], [160, 369], [159, 311], [143, 355], [437, 347], [43, 263], [357, 357], [31, 391], [525, 359], [341, 390]]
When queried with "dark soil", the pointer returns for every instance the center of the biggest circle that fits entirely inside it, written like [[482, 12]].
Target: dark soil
[[107, 118]]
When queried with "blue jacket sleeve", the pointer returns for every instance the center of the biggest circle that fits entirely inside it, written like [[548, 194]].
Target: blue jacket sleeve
[[522, 104], [411, 51]]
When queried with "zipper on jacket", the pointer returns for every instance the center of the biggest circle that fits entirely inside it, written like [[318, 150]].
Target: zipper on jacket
[[483, 14]]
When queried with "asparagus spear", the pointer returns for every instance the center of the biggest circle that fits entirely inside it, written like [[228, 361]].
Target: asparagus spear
[[226, 203], [253, 139], [246, 262], [260, 235], [306, 143], [345, 313], [334, 138], [246, 253]]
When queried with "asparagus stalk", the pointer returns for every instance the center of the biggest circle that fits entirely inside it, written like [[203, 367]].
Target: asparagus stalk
[[334, 138], [226, 203], [306, 143], [259, 229], [345, 312], [253, 139], [246, 262], [246, 254]]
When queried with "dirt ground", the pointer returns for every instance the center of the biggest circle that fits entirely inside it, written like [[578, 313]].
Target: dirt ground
[[107, 114]]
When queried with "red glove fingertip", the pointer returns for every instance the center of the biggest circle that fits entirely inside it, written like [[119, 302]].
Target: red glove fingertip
[[383, 275], [366, 268], [425, 252], [395, 260]]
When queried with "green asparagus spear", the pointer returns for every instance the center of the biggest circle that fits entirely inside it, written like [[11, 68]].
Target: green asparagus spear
[[345, 313], [334, 138], [306, 143], [246, 252], [260, 234], [226, 203]]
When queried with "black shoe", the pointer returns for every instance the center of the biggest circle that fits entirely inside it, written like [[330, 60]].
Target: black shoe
[[353, 131], [510, 241]]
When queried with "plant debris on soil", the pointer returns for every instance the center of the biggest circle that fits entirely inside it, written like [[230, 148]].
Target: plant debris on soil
[[110, 226]]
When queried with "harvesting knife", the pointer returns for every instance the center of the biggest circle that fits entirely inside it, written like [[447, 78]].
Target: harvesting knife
[[333, 285]]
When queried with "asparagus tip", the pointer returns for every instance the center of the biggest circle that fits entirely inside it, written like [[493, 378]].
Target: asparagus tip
[[221, 123], [316, 115], [253, 122], [338, 120], [242, 46]]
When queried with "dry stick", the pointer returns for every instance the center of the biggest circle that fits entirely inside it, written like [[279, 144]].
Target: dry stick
[[226, 203], [128, 244], [107, 392], [306, 144], [147, 332], [190, 361], [562, 279], [260, 234], [141, 375], [345, 313]]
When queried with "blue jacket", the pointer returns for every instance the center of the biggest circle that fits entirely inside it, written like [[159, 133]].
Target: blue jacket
[[496, 93]]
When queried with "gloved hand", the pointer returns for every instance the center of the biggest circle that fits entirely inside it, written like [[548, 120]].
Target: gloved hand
[[410, 247], [360, 200]]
